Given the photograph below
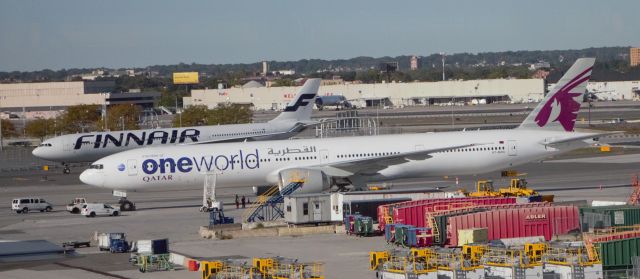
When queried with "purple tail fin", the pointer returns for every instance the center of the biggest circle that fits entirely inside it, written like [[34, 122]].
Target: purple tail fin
[[559, 109]]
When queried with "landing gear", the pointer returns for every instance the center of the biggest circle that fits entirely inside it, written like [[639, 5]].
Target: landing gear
[[66, 169], [125, 204]]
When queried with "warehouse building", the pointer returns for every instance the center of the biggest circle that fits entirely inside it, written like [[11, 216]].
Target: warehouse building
[[48, 99], [383, 94]]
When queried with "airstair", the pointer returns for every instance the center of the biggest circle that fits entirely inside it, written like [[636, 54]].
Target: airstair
[[269, 206]]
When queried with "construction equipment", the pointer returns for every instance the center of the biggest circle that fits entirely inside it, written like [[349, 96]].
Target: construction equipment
[[484, 188], [296, 270], [153, 262], [571, 262], [377, 259], [517, 188], [210, 268]]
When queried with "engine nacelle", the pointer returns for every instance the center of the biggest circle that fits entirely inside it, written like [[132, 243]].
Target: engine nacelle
[[315, 181]]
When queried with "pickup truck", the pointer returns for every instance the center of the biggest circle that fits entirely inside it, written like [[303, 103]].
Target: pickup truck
[[76, 205]]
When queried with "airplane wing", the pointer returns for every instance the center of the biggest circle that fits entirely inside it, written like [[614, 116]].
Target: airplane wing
[[366, 166], [585, 137]]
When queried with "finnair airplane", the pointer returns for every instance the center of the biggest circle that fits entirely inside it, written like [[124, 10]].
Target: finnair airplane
[[322, 163], [88, 147]]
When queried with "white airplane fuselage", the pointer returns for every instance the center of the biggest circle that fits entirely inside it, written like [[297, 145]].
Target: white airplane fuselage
[[89, 147], [258, 163]]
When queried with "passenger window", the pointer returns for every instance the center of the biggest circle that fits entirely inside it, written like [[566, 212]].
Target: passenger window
[[305, 209], [42, 201], [288, 208], [24, 201]]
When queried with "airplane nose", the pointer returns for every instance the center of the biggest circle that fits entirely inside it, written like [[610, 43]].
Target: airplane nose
[[93, 178], [37, 152]]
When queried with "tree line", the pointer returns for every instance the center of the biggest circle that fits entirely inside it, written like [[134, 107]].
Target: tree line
[[88, 118]]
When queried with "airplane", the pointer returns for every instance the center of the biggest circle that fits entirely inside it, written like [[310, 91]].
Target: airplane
[[326, 162], [88, 147], [338, 101]]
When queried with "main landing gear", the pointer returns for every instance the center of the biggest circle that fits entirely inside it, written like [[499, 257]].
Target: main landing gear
[[125, 204]]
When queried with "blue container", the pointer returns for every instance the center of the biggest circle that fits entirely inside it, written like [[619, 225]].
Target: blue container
[[412, 239]]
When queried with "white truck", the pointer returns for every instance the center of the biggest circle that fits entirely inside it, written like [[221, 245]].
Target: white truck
[[76, 205]]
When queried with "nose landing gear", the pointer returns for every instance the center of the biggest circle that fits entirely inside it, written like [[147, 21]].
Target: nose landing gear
[[66, 169]]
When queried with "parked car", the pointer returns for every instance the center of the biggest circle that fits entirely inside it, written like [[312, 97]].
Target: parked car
[[24, 205], [95, 209]]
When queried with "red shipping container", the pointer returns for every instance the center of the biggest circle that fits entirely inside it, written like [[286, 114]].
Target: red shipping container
[[415, 215], [517, 222]]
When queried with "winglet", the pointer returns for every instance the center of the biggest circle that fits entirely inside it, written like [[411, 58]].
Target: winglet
[[559, 109]]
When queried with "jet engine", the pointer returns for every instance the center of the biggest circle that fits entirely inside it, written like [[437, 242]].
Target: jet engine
[[314, 181]]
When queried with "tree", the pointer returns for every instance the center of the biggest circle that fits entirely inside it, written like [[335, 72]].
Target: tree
[[119, 115], [199, 115], [41, 128], [8, 129], [192, 116], [80, 118]]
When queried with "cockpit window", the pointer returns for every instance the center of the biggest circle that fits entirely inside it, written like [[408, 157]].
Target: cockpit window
[[96, 166], [44, 145]]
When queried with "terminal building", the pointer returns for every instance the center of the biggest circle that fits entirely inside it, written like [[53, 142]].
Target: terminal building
[[390, 95], [383, 94], [48, 99]]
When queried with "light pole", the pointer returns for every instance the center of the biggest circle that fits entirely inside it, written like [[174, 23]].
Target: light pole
[[443, 56]]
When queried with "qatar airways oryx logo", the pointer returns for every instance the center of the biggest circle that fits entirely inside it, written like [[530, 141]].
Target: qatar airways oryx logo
[[163, 168], [562, 106]]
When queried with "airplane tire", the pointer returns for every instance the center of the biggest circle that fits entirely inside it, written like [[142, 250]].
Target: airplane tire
[[126, 206]]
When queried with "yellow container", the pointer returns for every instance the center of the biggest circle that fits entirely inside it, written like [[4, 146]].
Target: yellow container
[[605, 148], [477, 235], [45, 168]]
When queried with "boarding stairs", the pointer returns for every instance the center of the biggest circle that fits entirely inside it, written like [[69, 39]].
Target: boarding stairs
[[269, 206]]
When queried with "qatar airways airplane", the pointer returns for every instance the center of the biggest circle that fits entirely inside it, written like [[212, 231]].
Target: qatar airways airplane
[[88, 147], [322, 163]]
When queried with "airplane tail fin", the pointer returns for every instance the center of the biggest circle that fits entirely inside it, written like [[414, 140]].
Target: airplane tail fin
[[559, 109], [300, 108]]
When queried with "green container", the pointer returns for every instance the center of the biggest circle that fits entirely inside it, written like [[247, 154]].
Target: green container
[[363, 226], [401, 234], [622, 215], [617, 254]]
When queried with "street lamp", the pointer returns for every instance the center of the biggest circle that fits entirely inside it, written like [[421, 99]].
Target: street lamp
[[443, 56]]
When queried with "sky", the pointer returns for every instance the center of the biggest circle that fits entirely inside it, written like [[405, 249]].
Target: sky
[[44, 34]]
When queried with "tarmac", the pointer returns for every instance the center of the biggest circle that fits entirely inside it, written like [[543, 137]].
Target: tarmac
[[173, 214]]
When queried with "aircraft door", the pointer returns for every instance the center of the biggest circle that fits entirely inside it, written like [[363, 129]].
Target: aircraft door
[[317, 212], [512, 148], [132, 166], [324, 156]]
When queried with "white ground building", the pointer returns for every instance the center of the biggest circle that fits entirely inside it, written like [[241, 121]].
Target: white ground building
[[615, 90], [48, 99], [410, 94], [384, 94]]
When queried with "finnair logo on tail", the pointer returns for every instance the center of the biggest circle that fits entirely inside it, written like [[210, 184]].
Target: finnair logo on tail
[[302, 101], [562, 107]]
